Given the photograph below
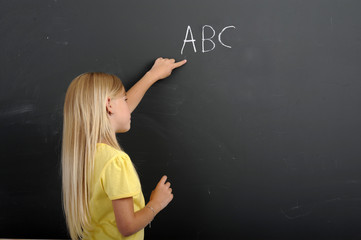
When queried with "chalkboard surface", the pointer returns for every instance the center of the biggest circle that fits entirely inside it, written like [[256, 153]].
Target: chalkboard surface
[[259, 132]]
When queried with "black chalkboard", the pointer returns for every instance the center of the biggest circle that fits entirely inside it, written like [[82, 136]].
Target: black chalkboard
[[259, 132]]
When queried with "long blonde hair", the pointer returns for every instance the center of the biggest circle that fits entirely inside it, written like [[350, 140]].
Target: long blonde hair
[[85, 124]]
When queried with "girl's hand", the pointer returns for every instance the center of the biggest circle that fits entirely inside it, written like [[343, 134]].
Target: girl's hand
[[163, 67], [161, 196]]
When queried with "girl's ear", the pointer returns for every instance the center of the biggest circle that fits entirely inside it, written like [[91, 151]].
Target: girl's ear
[[109, 106]]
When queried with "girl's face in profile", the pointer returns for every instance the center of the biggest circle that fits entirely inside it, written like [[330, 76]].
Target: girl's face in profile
[[120, 117]]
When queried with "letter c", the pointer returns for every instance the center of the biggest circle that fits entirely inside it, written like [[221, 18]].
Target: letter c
[[219, 36]]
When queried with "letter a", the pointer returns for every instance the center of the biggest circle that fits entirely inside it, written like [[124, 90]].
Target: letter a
[[186, 40]]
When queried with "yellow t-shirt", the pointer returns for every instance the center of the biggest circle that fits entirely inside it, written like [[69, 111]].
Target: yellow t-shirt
[[114, 177]]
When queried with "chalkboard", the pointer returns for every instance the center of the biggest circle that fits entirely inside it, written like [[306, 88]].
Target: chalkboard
[[259, 132]]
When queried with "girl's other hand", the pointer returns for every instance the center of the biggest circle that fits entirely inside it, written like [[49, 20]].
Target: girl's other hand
[[161, 196], [163, 67]]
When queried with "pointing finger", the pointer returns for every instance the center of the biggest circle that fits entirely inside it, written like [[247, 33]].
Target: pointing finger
[[163, 179], [180, 63]]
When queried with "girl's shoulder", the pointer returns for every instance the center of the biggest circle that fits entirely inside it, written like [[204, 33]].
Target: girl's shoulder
[[104, 153], [108, 156]]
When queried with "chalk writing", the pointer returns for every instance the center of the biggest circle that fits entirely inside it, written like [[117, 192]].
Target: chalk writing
[[204, 38]]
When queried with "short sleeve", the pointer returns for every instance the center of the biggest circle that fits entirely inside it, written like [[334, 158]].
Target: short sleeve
[[119, 178]]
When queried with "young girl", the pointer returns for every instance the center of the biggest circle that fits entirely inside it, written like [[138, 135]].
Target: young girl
[[102, 195]]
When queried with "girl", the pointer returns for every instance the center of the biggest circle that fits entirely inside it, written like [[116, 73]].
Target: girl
[[102, 196]]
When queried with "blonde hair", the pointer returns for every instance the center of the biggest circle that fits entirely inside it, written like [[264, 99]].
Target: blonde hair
[[85, 124]]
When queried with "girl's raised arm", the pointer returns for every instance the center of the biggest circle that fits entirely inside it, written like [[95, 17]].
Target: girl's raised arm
[[161, 69]]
